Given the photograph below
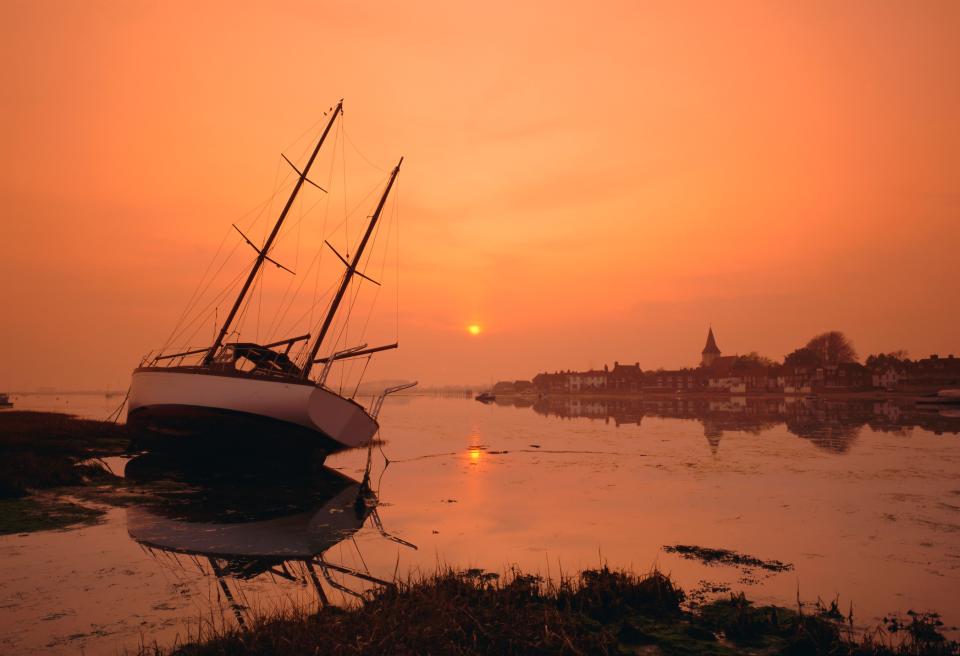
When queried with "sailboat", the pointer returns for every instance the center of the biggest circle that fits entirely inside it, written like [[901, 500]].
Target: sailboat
[[243, 391]]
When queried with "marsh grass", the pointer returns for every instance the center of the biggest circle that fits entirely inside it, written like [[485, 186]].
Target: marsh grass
[[40, 450], [596, 612]]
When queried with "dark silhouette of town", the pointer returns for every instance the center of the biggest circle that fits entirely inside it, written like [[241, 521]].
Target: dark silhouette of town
[[828, 363]]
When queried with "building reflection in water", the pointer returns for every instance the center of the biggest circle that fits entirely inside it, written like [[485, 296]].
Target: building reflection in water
[[240, 520], [832, 425]]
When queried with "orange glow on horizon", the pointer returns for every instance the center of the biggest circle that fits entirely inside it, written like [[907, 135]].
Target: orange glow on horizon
[[597, 184]]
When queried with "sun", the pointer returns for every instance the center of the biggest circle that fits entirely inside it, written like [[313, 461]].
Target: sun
[[473, 329]]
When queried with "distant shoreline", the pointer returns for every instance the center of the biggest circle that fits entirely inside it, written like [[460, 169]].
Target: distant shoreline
[[862, 395]]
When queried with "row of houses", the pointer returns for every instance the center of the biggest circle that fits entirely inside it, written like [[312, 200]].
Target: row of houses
[[741, 375]]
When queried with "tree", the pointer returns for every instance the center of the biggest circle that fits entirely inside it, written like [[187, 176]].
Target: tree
[[884, 360], [802, 357], [832, 348], [752, 360]]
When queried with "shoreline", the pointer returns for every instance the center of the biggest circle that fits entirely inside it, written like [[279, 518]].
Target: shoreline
[[858, 395]]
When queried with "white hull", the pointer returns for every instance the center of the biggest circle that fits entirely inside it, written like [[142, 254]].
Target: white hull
[[177, 395]]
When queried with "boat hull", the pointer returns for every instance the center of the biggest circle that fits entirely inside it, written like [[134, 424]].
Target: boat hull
[[169, 405]]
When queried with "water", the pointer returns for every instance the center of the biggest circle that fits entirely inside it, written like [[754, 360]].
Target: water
[[862, 498]]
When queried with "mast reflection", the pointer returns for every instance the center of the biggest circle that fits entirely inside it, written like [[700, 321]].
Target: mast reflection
[[242, 523]]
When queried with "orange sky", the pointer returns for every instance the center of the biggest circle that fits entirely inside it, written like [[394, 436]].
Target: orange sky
[[587, 181]]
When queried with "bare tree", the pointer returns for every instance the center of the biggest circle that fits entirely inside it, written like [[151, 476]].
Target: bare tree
[[832, 348]]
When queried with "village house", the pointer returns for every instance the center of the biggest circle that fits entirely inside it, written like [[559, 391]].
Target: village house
[[796, 379], [555, 383], [683, 379], [587, 381], [507, 387], [889, 377], [625, 378], [846, 375], [936, 371]]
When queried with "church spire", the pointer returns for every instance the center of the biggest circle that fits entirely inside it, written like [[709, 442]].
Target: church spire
[[711, 351]]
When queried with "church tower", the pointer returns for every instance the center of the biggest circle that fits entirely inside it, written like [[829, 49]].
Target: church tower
[[711, 351]]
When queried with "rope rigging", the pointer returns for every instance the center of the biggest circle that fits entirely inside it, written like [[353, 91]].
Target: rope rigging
[[264, 312]]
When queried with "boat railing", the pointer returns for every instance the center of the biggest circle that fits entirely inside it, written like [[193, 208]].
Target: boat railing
[[378, 402], [171, 359], [339, 355]]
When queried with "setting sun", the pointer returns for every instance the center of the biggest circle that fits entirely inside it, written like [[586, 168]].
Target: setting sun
[[473, 329]]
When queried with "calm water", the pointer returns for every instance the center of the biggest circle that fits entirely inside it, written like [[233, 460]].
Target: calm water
[[862, 498]]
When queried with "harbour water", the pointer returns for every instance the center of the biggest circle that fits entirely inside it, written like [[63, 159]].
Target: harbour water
[[861, 498]]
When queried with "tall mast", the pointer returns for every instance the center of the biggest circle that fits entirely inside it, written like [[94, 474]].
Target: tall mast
[[208, 358], [351, 270]]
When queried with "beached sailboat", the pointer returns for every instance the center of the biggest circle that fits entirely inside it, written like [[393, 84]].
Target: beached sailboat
[[245, 390]]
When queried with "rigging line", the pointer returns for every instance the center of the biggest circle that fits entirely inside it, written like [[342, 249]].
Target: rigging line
[[346, 371], [378, 186], [285, 230], [343, 157], [342, 333], [360, 152], [362, 268], [310, 129], [360, 378], [211, 308], [276, 176], [350, 303], [285, 304], [283, 299], [241, 316], [275, 324], [266, 207], [204, 314], [260, 284], [383, 266], [320, 300], [318, 258], [396, 226], [196, 291], [323, 232], [296, 257], [200, 319], [201, 288], [200, 296], [181, 327]]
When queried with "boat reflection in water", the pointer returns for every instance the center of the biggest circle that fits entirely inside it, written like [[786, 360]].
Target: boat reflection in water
[[830, 424], [244, 523]]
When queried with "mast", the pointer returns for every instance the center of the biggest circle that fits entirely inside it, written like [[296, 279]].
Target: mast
[[262, 255], [351, 270]]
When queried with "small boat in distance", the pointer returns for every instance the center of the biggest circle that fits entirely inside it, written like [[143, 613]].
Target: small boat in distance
[[251, 393], [485, 397], [5, 401]]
